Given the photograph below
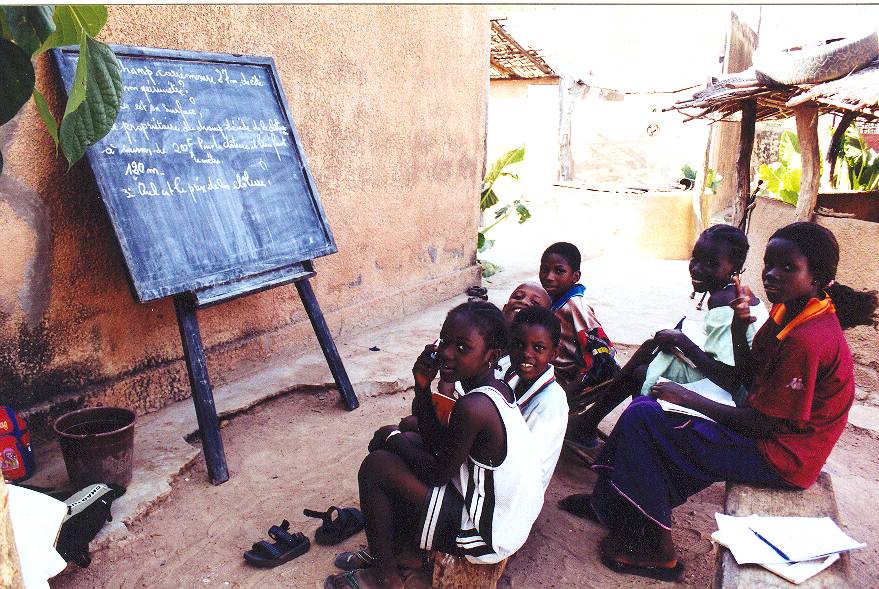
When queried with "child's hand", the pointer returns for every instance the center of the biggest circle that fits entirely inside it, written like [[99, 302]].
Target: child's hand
[[672, 392], [425, 368], [380, 437], [741, 305], [408, 424], [667, 339]]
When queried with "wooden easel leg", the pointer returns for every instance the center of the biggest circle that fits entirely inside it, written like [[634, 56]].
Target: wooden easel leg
[[202, 395], [326, 343]]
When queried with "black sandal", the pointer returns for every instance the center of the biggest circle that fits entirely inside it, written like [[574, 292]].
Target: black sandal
[[285, 548], [348, 522]]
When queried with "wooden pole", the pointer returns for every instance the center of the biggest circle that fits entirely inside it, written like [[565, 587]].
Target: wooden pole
[[10, 568], [743, 163], [202, 394], [316, 316], [807, 133]]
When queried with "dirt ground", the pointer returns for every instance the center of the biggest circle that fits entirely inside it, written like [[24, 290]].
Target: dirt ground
[[303, 450]]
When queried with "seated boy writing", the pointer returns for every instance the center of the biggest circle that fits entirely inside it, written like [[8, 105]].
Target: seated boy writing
[[534, 343], [586, 354]]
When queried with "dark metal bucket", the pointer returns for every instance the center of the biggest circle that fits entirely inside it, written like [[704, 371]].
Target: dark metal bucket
[[97, 444]]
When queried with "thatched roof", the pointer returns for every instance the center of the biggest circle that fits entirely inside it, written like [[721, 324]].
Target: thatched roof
[[857, 92], [511, 61]]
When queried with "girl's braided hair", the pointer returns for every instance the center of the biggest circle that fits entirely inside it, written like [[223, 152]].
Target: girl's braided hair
[[734, 238], [821, 249], [489, 321]]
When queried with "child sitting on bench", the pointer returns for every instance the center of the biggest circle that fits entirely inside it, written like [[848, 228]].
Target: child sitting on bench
[[800, 378], [718, 255], [472, 488]]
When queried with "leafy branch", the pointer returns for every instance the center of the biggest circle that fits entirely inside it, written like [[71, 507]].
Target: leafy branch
[[26, 32]]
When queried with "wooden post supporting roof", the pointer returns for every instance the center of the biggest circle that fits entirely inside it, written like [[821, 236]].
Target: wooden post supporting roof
[[807, 133], [743, 163]]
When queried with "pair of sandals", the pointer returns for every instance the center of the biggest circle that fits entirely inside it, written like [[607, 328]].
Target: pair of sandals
[[286, 546]]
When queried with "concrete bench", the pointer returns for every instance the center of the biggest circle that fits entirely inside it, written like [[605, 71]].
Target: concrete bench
[[456, 572], [816, 501]]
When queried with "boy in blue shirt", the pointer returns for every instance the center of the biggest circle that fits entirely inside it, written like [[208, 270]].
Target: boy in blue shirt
[[586, 354]]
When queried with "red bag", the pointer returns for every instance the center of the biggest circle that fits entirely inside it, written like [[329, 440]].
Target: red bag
[[16, 455]]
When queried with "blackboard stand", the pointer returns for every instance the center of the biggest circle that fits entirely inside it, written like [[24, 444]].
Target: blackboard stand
[[186, 304], [202, 394], [210, 196]]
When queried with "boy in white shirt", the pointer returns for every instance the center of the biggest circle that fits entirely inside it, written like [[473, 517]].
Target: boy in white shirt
[[534, 336]]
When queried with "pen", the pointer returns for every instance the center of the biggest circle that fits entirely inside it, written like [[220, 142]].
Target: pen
[[771, 545]]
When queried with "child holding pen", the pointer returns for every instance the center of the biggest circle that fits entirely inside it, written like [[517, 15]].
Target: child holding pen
[[801, 385], [718, 256]]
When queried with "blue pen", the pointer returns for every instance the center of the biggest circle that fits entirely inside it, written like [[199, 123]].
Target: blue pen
[[771, 545]]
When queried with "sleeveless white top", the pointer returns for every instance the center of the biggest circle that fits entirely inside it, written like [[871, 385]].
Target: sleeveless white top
[[501, 502]]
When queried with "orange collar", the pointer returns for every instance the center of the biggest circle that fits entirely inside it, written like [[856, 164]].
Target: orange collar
[[814, 308]]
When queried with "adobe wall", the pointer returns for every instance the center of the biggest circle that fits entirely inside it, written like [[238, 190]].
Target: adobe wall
[[390, 104], [857, 268]]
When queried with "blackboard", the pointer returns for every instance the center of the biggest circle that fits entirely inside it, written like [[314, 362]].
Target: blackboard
[[203, 175]]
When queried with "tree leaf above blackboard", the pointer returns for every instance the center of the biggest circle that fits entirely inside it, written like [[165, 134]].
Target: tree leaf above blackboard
[[16, 79], [72, 21], [29, 26], [94, 116]]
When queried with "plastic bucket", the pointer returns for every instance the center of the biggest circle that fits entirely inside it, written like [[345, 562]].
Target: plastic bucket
[[97, 444]]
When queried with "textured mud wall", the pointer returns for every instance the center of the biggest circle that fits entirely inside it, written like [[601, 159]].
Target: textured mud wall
[[858, 244], [390, 104]]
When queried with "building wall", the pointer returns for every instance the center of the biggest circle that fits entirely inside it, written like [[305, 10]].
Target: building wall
[[390, 104], [526, 112]]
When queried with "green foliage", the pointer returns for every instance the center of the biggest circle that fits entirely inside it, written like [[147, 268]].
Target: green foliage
[[782, 178], [858, 165], [93, 113], [94, 100], [489, 198], [16, 79], [712, 178]]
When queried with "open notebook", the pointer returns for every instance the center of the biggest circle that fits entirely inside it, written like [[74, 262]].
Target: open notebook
[[704, 387]]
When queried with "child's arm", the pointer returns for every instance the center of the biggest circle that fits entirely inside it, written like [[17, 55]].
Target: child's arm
[[433, 432], [744, 420], [721, 374], [742, 318], [469, 417]]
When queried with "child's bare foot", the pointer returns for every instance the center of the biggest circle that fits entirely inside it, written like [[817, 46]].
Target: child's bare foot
[[364, 579]]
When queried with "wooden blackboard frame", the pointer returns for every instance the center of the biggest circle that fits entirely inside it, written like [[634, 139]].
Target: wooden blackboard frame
[[234, 282], [226, 285]]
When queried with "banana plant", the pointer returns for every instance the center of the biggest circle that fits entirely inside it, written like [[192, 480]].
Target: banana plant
[[26, 32], [858, 164], [782, 178], [489, 198]]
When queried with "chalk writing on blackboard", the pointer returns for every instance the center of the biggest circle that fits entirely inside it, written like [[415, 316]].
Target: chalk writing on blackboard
[[203, 174]]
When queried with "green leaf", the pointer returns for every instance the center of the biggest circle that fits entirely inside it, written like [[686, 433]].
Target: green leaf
[[522, 211], [29, 26], [480, 240], [488, 199], [16, 79], [501, 211], [688, 172], [93, 118], [486, 245], [789, 149], [71, 21], [790, 197], [46, 115]]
